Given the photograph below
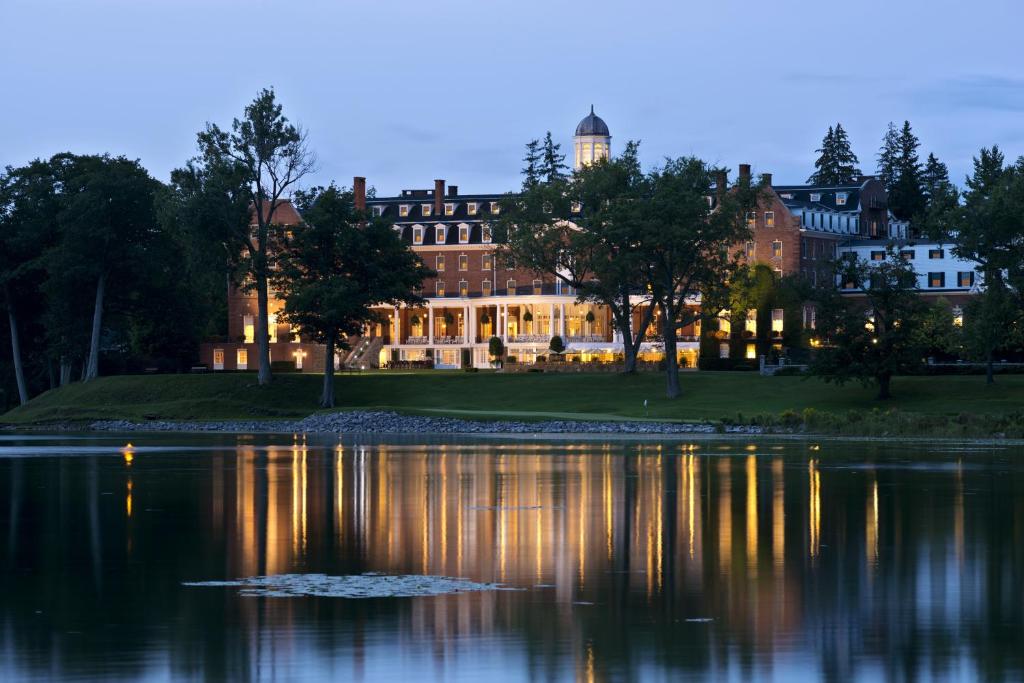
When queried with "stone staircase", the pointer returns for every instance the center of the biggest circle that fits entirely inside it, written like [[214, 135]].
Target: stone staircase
[[365, 353]]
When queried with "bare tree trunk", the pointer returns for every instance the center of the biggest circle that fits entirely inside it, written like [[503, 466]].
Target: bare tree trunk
[[19, 369], [671, 362], [65, 371], [92, 368], [883, 386], [327, 398], [262, 333]]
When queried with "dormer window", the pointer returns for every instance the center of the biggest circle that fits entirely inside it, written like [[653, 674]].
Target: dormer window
[[403, 210], [449, 209], [840, 199], [417, 234], [425, 209], [495, 208], [439, 234], [463, 234], [485, 234], [378, 211], [472, 208], [815, 196]]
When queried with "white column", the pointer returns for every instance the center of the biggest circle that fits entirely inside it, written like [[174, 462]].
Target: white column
[[503, 315], [551, 321], [430, 323], [561, 321], [394, 328]]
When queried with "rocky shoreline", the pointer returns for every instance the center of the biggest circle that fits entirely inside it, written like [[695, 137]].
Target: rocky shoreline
[[386, 422]]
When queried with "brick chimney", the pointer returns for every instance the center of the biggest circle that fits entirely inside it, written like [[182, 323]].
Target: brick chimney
[[766, 179], [721, 183], [439, 197], [453, 190], [745, 173], [359, 192]]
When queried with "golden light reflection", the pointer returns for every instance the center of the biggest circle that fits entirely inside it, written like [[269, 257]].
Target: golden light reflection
[[778, 516], [814, 508], [752, 515], [871, 530], [129, 454], [725, 515], [128, 499]]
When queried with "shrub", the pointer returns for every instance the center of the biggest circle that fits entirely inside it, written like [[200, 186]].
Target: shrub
[[557, 345]]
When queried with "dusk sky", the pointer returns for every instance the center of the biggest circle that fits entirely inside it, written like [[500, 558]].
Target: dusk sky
[[404, 92]]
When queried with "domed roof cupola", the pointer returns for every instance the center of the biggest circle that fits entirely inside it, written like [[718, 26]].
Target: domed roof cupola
[[592, 124], [592, 141]]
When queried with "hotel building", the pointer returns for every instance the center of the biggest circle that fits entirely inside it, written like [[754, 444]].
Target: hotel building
[[475, 296]]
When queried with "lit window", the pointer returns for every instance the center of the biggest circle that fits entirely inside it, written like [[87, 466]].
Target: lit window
[[840, 199], [777, 249], [749, 250], [750, 324], [538, 287], [463, 262], [487, 262], [936, 253], [248, 329], [723, 350], [485, 234], [472, 208], [907, 254], [449, 209], [965, 278], [510, 287], [272, 327], [440, 263], [439, 288], [485, 286], [878, 256], [439, 234], [378, 211], [815, 196], [218, 359], [242, 359], [403, 210], [495, 208], [769, 219], [463, 234], [426, 209], [751, 351], [751, 219], [417, 234], [724, 323], [810, 317], [958, 317], [936, 279], [777, 322], [576, 207], [463, 288]]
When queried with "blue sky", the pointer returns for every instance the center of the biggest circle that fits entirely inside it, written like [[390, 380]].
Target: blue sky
[[404, 92]]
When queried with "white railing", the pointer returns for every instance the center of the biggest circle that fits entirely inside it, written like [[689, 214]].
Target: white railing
[[416, 340], [529, 338], [587, 339], [448, 340]]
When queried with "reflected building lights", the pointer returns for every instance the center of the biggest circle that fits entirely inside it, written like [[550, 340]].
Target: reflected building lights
[[814, 508], [752, 516]]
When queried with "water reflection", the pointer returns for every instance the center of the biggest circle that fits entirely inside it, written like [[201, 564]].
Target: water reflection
[[636, 561]]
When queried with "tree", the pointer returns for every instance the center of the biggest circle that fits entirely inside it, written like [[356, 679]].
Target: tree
[[836, 164], [991, 225], [685, 245], [941, 200], [268, 156], [556, 345], [900, 168], [531, 172], [496, 349], [333, 268], [108, 214], [873, 337], [583, 231], [552, 166]]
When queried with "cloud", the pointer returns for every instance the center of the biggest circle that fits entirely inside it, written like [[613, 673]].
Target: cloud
[[996, 93]]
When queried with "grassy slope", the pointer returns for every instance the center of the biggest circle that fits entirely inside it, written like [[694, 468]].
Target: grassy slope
[[705, 395]]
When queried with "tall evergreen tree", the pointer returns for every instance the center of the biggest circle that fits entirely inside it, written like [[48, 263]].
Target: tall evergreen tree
[[552, 166], [941, 199], [836, 164], [531, 172], [888, 155], [988, 169]]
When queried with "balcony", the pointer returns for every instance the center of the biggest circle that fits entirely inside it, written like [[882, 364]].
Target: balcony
[[529, 339], [587, 339]]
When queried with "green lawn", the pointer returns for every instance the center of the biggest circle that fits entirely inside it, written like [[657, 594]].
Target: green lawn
[[706, 395]]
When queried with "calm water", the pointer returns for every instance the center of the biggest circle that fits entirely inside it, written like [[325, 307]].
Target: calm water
[[735, 561]]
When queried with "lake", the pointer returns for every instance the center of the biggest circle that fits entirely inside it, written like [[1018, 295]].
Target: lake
[[618, 560]]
